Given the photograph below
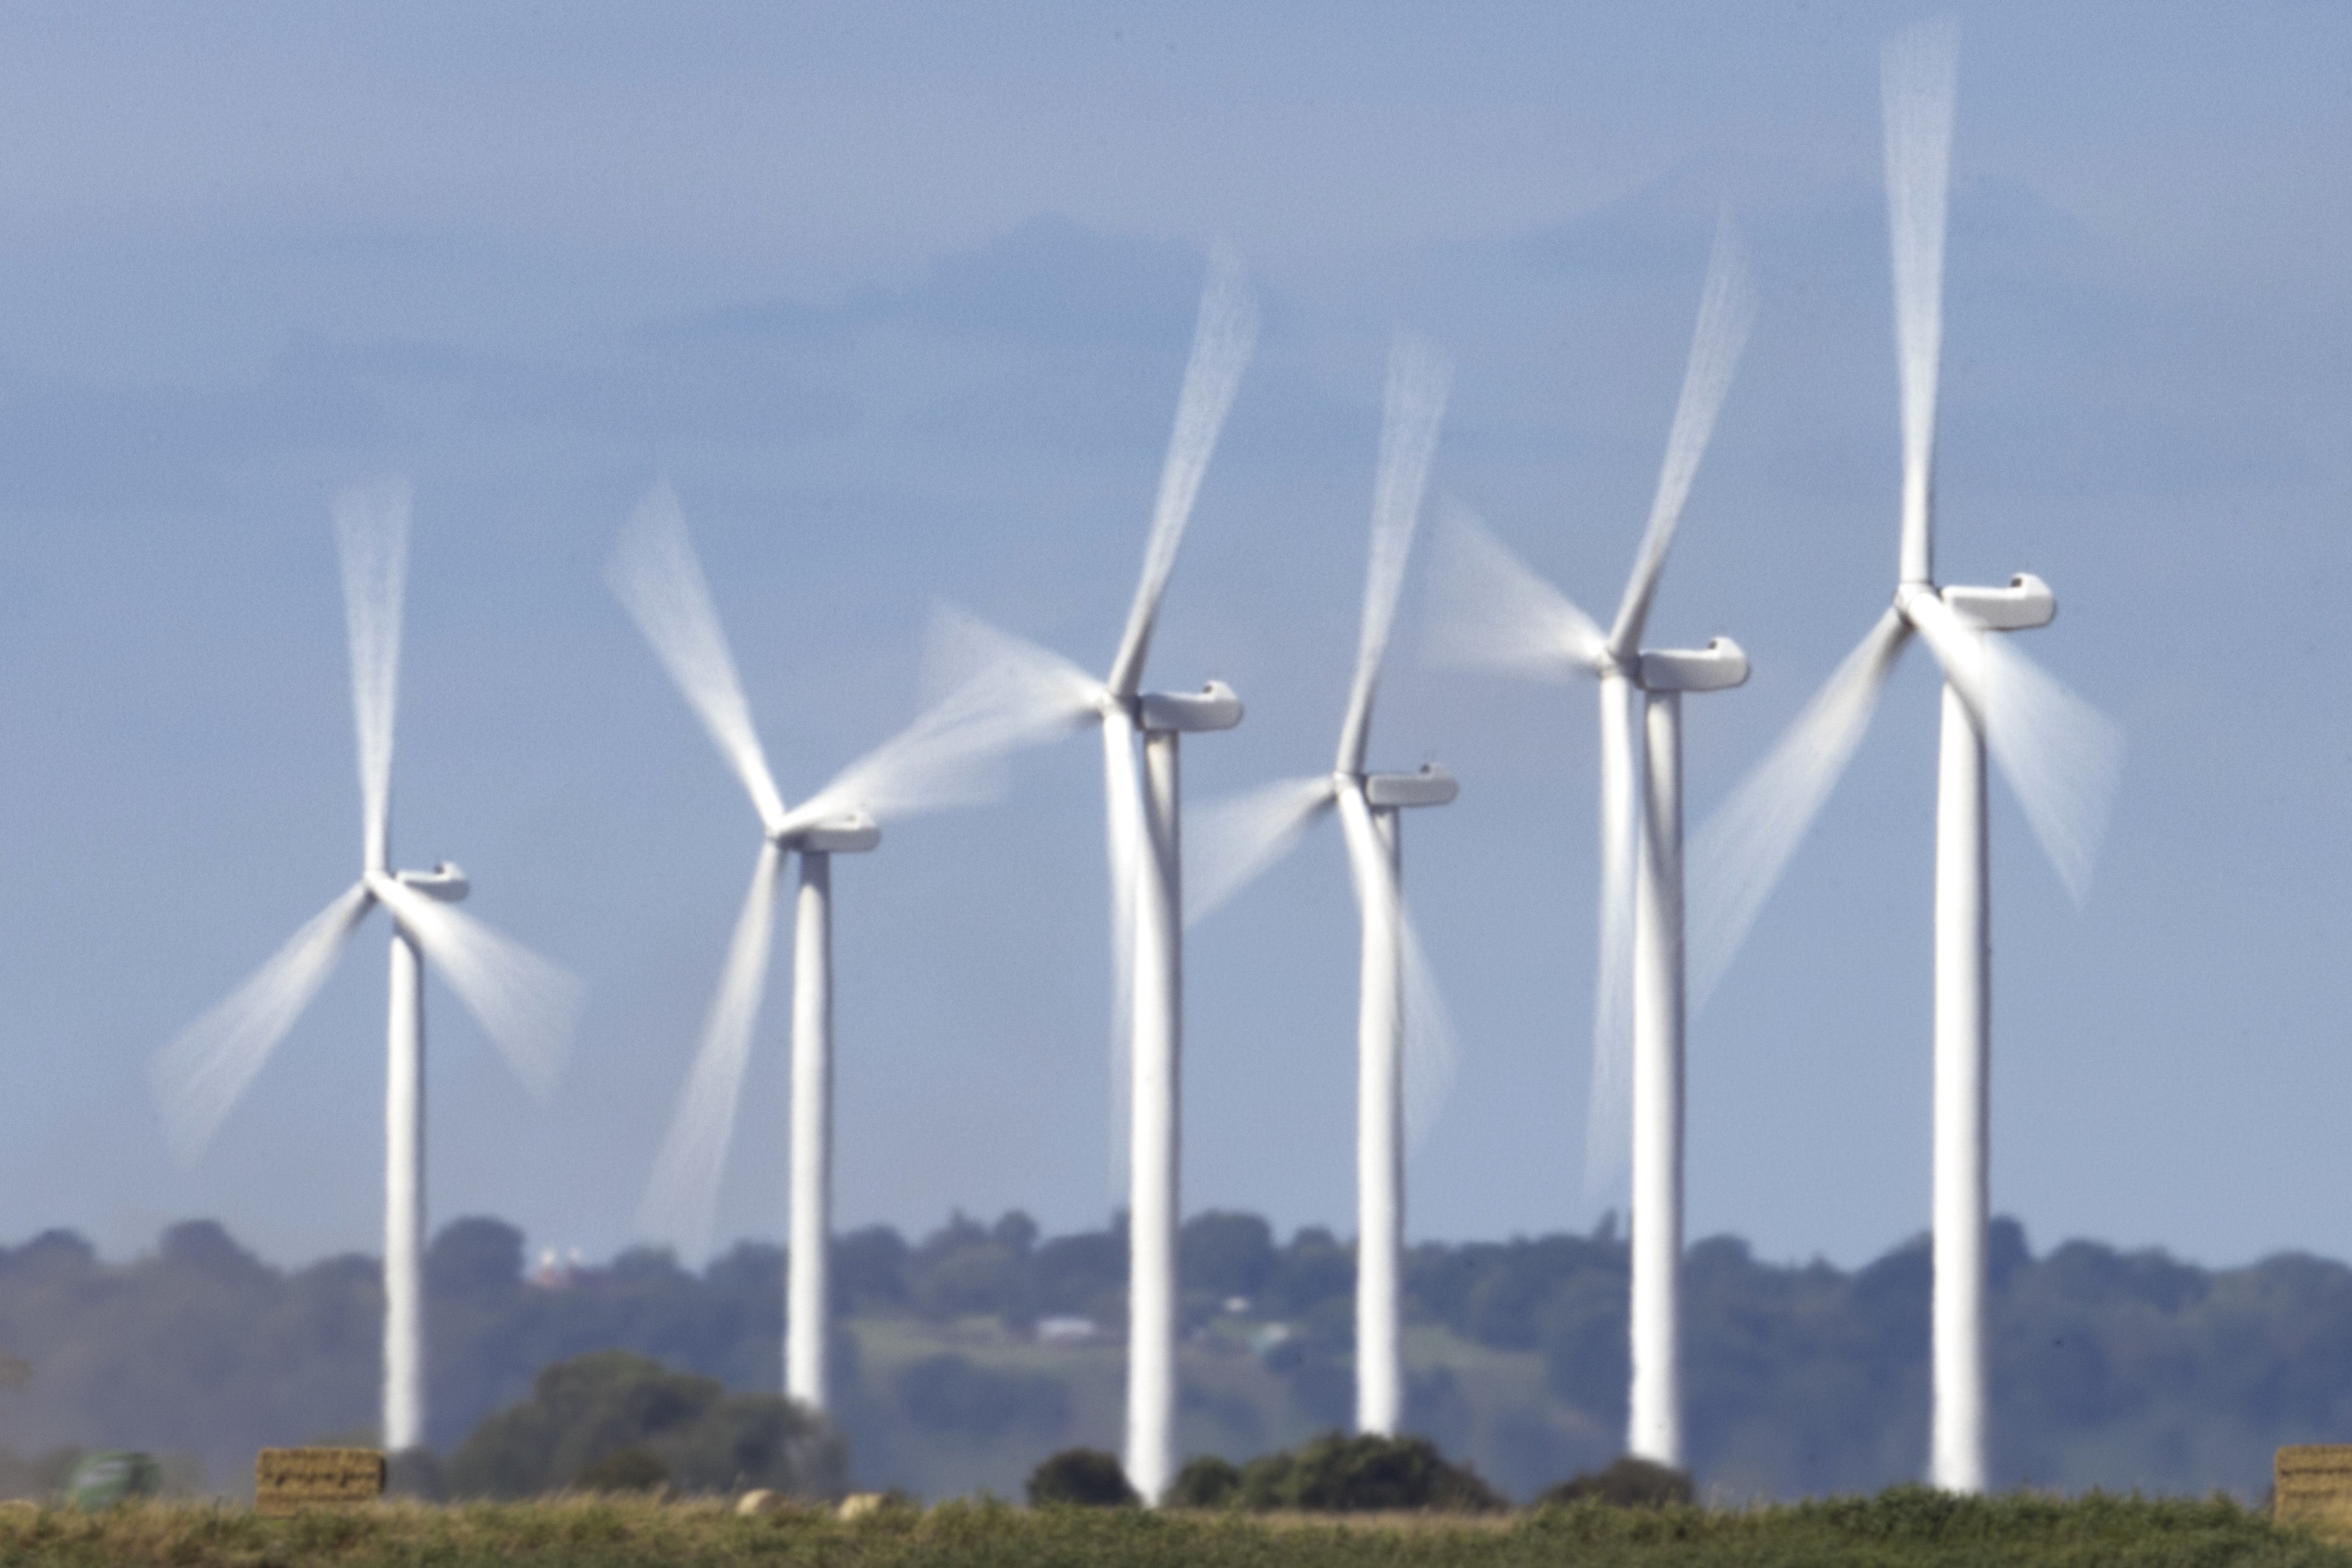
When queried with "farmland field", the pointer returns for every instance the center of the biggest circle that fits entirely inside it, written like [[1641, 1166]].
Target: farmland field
[[1902, 1527]]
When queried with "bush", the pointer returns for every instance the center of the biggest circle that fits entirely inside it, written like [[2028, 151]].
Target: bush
[[1081, 1477], [1205, 1481], [626, 1470], [1338, 1474], [584, 1414], [1626, 1482]]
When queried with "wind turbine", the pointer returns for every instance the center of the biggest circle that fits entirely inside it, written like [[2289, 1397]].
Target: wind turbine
[[522, 1002], [2061, 756], [1504, 616], [1242, 837], [1142, 813], [938, 761]]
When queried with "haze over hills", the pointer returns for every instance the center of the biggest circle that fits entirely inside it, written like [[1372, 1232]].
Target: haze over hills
[[973, 1351]]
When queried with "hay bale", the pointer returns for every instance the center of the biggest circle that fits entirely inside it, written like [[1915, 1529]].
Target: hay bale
[[287, 1481], [2310, 1481]]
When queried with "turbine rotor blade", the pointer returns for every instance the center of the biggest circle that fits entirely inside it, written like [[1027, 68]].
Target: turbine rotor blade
[[1726, 313], [656, 575], [1231, 842], [2062, 757], [206, 1068], [372, 539], [526, 1004], [682, 1201], [1415, 402], [1918, 76], [1738, 856], [1032, 690], [1432, 1049], [1222, 340], [1609, 1107], [1491, 611], [1007, 694]]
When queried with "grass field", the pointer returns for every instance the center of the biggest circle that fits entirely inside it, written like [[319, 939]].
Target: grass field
[[1900, 1528]]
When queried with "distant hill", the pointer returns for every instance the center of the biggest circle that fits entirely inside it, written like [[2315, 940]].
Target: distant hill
[[972, 1352]]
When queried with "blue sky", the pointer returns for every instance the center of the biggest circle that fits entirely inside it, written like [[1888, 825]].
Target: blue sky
[[900, 305]]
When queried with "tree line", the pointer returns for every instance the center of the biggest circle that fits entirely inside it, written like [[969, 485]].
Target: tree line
[[2112, 1368]]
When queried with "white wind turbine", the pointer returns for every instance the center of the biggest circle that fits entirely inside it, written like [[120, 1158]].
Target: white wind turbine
[[522, 1002], [1142, 812], [2061, 756], [941, 760], [1397, 1006], [1503, 617]]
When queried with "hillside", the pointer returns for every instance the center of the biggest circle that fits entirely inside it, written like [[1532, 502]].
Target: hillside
[[971, 1352]]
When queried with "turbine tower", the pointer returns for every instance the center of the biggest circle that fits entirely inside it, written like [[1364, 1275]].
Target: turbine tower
[[1242, 837], [941, 760], [2060, 755], [1143, 807], [1504, 616], [523, 1003]]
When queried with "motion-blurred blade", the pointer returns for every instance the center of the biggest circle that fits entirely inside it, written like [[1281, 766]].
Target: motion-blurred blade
[[682, 1201], [526, 1004], [372, 537], [1230, 842], [1737, 858], [1918, 73], [1430, 1048], [1223, 341], [1127, 844], [656, 575], [2062, 757], [1609, 1108], [1425, 1027], [1006, 694], [1490, 610], [988, 672], [1419, 380], [203, 1073], [1726, 313], [1959, 646]]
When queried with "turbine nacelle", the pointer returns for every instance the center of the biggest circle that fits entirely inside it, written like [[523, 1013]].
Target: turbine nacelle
[[2026, 602], [850, 835], [445, 882], [1717, 667], [1213, 706], [1431, 785]]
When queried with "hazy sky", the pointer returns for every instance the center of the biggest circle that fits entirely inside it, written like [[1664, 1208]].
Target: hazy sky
[[899, 303]]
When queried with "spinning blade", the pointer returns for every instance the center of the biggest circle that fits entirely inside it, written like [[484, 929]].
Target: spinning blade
[[1736, 858], [526, 1004], [1419, 380], [656, 575], [372, 538], [1492, 611], [682, 1201], [206, 1067], [1231, 842], [1727, 312], [1223, 341]]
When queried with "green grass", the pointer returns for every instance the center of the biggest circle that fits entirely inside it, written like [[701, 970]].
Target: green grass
[[1900, 1528]]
